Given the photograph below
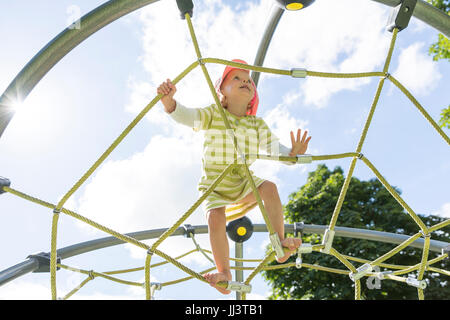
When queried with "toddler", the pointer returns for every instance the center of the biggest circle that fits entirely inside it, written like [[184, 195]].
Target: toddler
[[239, 98]]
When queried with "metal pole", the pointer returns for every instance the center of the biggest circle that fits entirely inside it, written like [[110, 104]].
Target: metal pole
[[18, 270], [239, 254], [275, 17]]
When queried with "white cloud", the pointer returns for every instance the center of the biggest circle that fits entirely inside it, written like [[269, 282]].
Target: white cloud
[[417, 25], [281, 122], [23, 290], [150, 190], [444, 211], [329, 37], [416, 70], [168, 48], [255, 296]]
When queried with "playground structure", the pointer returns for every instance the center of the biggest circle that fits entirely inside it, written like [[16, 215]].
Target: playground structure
[[96, 19]]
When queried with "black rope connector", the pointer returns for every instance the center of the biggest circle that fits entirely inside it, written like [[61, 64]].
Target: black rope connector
[[400, 15], [446, 250], [4, 182], [185, 6], [298, 229], [43, 259], [189, 231]]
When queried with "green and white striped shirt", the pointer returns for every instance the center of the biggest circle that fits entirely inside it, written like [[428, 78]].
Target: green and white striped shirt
[[252, 134]]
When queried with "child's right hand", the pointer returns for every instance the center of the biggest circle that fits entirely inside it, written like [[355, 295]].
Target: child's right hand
[[167, 89]]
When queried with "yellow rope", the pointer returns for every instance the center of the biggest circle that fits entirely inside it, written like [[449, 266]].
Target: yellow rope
[[396, 250], [420, 108], [344, 75], [423, 263], [93, 274], [344, 261], [417, 266], [53, 255], [77, 288], [396, 196]]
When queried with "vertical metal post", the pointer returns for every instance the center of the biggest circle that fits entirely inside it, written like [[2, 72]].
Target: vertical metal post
[[238, 254]]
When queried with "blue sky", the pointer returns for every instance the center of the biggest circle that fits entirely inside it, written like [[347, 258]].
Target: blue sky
[[79, 108]]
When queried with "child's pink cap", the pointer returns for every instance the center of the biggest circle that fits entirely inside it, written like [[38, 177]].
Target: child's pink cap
[[255, 100]]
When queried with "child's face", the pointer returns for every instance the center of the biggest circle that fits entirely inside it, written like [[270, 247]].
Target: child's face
[[238, 91]]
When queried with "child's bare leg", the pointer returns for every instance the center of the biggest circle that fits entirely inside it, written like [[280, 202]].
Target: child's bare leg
[[269, 194], [220, 248]]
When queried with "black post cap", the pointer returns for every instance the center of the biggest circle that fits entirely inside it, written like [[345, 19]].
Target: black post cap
[[240, 230], [185, 6]]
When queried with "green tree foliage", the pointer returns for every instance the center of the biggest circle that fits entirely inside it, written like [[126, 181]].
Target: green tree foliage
[[445, 118], [367, 205], [441, 48]]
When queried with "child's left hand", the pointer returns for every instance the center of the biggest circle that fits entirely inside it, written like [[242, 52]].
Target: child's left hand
[[299, 146]]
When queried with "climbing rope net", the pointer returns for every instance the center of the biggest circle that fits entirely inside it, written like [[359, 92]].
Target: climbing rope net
[[394, 272]]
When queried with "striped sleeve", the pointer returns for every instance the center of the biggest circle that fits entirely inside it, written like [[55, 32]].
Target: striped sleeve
[[206, 117]]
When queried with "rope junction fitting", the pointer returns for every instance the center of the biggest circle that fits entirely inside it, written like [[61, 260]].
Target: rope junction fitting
[[400, 15], [43, 259]]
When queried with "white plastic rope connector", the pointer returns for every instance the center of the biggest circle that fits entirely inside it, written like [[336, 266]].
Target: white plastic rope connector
[[239, 287], [360, 272], [420, 284], [304, 158], [327, 240], [298, 261], [298, 72], [382, 275], [276, 245], [304, 248]]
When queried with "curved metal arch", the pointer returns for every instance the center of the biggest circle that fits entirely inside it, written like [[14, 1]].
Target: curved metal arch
[[57, 48], [110, 11]]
